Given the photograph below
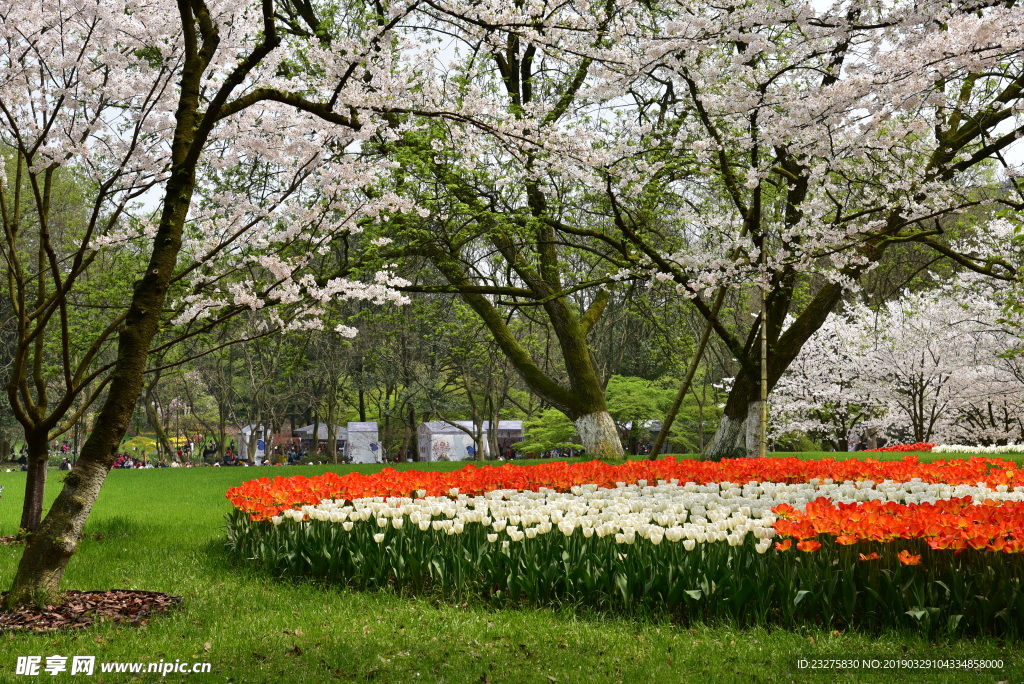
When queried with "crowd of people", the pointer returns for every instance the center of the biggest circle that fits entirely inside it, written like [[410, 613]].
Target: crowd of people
[[297, 452]]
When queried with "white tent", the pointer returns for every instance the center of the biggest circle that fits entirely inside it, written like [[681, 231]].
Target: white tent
[[358, 441], [306, 432], [363, 443], [443, 441], [245, 435]]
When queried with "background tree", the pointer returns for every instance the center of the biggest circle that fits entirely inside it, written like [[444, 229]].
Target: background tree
[[193, 89], [930, 365], [788, 151]]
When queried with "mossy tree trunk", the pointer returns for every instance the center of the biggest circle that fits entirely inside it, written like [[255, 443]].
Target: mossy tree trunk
[[50, 547]]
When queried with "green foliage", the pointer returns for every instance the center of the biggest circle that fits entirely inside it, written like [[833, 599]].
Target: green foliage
[[798, 442], [546, 431], [636, 401]]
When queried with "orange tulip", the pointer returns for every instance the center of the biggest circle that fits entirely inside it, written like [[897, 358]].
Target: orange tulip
[[908, 559]]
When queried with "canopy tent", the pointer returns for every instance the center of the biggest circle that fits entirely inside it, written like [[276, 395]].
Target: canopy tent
[[444, 441], [306, 432], [358, 441], [363, 444]]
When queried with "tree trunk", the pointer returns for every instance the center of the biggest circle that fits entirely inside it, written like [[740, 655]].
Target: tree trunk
[[161, 436], [35, 483], [411, 434], [51, 546], [251, 443], [478, 439], [583, 401], [314, 442], [727, 438], [599, 435], [493, 446], [753, 428], [49, 549], [222, 435], [332, 434]]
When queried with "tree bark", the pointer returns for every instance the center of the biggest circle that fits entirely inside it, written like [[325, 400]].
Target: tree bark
[[599, 435], [753, 429], [727, 438], [314, 442], [332, 434], [35, 482]]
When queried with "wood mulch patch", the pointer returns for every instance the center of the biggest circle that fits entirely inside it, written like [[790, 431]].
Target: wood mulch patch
[[84, 608], [4, 541]]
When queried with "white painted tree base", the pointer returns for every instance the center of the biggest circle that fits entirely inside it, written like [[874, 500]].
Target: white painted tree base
[[599, 435], [727, 438]]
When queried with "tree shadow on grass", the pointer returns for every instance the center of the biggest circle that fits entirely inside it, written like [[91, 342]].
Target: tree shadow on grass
[[117, 527]]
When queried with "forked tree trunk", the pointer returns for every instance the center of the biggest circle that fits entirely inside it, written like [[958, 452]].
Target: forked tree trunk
[[599, 435], [583, 401], [781, 353], [49, 549]]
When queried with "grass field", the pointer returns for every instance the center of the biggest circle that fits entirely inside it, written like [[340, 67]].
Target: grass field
[[162, 530]]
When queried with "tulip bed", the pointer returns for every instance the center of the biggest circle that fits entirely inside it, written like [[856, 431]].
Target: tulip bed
[[917, 447], [867, 544]]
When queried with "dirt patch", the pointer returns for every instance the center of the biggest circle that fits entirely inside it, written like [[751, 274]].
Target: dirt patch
[[84, 608]]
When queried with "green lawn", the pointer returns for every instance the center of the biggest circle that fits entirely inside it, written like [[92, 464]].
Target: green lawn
[[162, 530]]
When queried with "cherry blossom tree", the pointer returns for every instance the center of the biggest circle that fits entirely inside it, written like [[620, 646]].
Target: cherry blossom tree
[[931, 364], [785, 146], [938, 363], [824, 392], [227, 112], [507, 227]]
